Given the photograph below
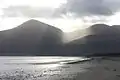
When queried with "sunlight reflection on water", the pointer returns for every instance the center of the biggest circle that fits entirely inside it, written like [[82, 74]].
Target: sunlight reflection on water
[[40, 68], [10, 63], [38, 59]]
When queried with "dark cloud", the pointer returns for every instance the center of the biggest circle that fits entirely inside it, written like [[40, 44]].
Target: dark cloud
[[91, 7], [79, 8], [26, 11]]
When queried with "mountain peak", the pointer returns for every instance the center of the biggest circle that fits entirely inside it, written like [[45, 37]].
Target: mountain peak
[[100, 26], [101, 29], [33, 24], [33, 20]]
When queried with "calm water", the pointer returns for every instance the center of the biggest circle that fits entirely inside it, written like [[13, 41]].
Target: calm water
[[40, 68]]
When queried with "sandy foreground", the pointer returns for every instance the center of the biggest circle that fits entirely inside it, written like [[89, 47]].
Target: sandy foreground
[[96, 69]]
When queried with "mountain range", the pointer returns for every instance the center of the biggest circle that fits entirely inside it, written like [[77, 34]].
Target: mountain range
[[102, 40], [34, 38], [30, 38]]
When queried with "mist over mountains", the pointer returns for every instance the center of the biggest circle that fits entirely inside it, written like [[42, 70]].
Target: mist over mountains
[[36, 38], [102, 40]]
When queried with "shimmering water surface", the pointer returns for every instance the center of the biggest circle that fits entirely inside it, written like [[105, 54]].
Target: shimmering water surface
[[39, 67], [59, 68]]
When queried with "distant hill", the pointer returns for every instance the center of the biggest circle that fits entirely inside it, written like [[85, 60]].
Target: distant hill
[[103, 40], [31, 38], [103, 29]]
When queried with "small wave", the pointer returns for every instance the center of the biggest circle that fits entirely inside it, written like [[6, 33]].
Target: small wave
[[76, 61], [55, 62]]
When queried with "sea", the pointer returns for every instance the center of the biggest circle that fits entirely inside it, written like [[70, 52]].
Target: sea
[[55, 68]]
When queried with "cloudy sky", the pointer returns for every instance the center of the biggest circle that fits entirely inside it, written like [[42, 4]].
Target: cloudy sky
[[68, 15]]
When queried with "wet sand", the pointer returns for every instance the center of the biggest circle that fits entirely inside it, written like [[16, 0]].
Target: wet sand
[[96, 69]]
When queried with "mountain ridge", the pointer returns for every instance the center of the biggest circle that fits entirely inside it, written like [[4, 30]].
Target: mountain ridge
[[36, 38], [103, 42], [30, 38]]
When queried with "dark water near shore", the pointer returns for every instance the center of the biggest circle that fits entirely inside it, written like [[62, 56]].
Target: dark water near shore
[[40, 68]]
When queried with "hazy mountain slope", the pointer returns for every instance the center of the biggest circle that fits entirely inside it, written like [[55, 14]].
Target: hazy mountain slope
[[30, 38], [103, 40]]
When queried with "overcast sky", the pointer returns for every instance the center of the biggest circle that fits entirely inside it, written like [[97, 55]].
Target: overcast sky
[[68, 15]]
